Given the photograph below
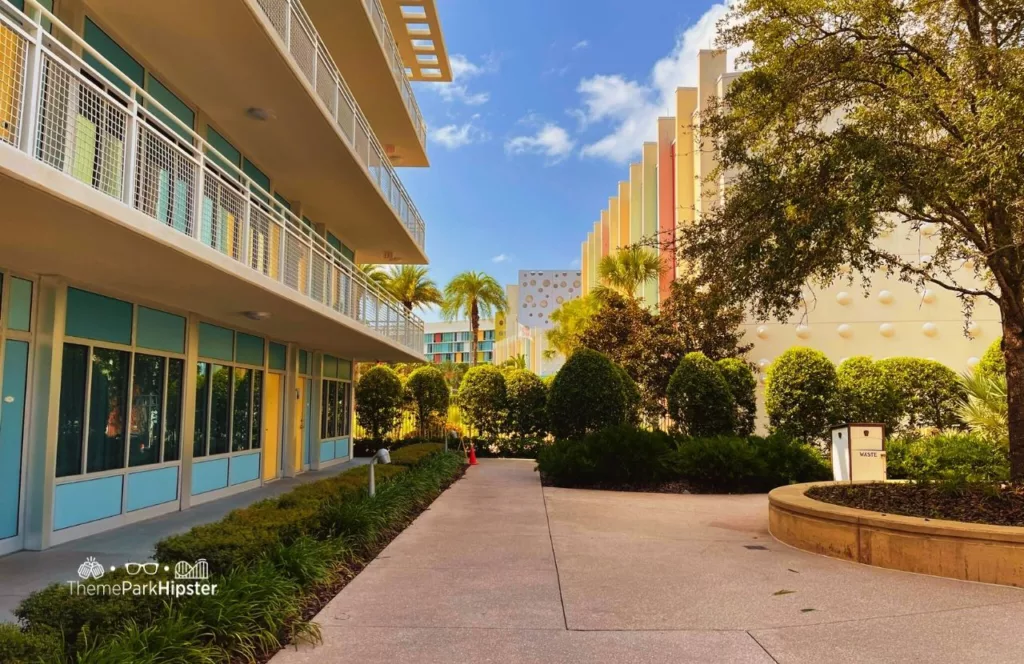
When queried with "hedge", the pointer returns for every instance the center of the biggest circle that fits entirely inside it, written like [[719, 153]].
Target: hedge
[[993, 362], [586, 395], [743, 386], [262, 593], [929, 391], [430, 395], [951, 457], [483, 399], [527, 404], [699, 400], [867, 393], [800, 394], [379, 400], [410, 455]]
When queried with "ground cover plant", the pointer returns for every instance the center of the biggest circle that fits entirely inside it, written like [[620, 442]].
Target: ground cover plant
[[276, 563]]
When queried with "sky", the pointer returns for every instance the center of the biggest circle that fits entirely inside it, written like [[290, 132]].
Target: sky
[[550, 102]]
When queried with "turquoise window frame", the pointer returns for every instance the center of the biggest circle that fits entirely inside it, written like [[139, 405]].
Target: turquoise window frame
[[96, 37], [178, 108]]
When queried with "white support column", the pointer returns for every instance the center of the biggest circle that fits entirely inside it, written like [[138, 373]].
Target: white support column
[[43, 424], [245, 251], [188, 416], [131, 153], [197, 214], [33, 86], [317, 359], [292, 447]]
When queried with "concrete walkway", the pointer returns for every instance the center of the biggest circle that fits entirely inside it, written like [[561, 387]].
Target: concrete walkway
[[499, 570], [26, 571]]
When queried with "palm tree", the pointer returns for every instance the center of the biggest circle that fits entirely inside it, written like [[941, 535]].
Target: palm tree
[[629, 269], [570, 319], [411, 286], [473, 294], [375, 273], [983, 407]]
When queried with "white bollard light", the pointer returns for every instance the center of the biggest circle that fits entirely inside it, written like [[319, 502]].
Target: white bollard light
[[382, 456]]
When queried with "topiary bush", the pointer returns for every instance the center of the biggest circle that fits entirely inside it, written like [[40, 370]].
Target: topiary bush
[[615, 456], [699, 400], [867, 393], [631, 396], [527, 404], [586, 395], [483, 399], [949, 457], [379, 399], [430, 395], [993, 363], [800, 395], [743, 386], [929, 391]]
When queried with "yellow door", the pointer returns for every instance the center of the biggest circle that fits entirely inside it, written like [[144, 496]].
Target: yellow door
[[272, 422]]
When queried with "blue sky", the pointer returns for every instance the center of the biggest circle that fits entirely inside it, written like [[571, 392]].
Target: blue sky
[[551, 101]]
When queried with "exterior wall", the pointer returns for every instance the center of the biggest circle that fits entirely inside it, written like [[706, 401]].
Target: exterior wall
[[625, 215], [451, 342], [542, 291], [649, 218], [841, 319]]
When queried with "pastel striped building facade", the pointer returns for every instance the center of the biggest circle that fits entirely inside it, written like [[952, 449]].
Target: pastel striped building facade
[[187, 188], [672, 185], [451, 342]]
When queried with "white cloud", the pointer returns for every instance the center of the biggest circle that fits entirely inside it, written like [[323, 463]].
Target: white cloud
[[455, 136], [550, 140], [583, 43], [501, 258], [575, 263], [463, 70], [634, 107]]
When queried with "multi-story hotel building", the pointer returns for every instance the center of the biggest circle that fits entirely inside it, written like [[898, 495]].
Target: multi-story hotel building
[[186, 189], [452, 342], [672, 184], [522, 330]]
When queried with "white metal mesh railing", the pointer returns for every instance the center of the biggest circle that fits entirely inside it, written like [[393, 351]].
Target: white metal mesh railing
[[94, 132], [303, 42], [387, 40]]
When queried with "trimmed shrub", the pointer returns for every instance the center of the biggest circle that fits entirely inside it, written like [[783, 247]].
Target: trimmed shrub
[[379, 400], [527, 404], [20, 646], [618, 455], [631, 397], [743, 386], [929, 391], [950, 457], [699, 399], [731, 464], [586, 395], [410, 455], [993, 363], [867, 393], [430, 395], [483, 399], [800, 394]]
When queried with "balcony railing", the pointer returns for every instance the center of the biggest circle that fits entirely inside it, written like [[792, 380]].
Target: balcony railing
[[387, 41], [307, 49], [62, 112]]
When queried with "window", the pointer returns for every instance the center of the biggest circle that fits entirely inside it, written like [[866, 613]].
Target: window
[[334, 409], [106, 424], [228, 409]]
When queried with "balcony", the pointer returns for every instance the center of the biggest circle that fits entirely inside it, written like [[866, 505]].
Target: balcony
[[59, 113], [358, 35], [230, 56]]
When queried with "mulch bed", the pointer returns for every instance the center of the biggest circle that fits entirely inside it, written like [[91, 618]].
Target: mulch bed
[[321, 596], [1000, 505]]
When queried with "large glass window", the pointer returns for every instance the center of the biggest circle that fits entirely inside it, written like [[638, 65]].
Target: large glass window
[[108, 398], [233, 419], [71, 417], [172, 428], [147, 410], [334, 411]]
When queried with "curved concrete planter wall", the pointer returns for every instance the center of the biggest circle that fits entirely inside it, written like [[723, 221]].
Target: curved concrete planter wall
[[967, 551]]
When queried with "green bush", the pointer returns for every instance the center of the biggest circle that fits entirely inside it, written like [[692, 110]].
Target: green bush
[[527, 404], [929, 391], [743, 386], [993, 363], [379, 400], [410, 455], [951, 457], [586, 395], [631, 397], [618, 455], [699, 400], [428, 390], [867, 393], [800, 395], [17, 645], [731, 464], [483, 399]]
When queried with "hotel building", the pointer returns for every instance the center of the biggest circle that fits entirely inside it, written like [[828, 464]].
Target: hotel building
[[187, 188], [451, 342]]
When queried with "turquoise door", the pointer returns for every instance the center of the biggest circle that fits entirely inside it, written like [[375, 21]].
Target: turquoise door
[[307, 414], [12, 427]]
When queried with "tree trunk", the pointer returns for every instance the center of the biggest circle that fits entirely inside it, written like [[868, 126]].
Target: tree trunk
[[474, 324], [1013, 352]]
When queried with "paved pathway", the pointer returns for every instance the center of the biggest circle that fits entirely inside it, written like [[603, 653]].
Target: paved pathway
[[499, 570], [26, 571]]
